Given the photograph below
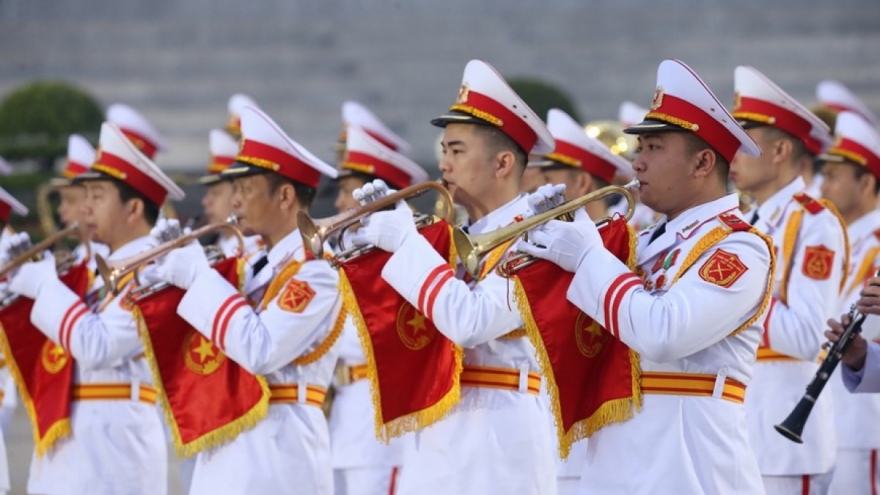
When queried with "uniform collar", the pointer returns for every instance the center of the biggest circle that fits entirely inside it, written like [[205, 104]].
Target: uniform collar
[[289, 247], [864, 226], [133, 247], [501, 216], [772, 209], [688, 223]]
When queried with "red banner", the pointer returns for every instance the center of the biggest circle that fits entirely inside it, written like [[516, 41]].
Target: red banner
[[42, 370], [413, 369], [592, 378], [207, 398]]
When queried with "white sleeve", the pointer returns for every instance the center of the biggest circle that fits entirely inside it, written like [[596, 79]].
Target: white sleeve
[[693, 315], [466, 316], [796, 328], [263, 342]]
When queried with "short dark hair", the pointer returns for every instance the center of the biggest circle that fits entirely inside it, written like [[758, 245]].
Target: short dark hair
[[798, 148], [304, 194], [861, 171], [497, 141], [694, 144], [126, 193]]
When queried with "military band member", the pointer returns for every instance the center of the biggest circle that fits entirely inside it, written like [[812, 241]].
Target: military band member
[[72, 196], [833, 98], [811, 251], [117, 443], [361, 464], [495, 440], [629, 114], [695, 313], [287, 336], [8, 206], [851, 173]]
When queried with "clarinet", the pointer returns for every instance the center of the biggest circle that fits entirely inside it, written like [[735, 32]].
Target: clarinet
[[793, 426]]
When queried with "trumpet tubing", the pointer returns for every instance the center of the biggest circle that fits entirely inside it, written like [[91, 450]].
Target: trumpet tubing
[[316, 232], [114, 271], [36, 250], [471, 249]]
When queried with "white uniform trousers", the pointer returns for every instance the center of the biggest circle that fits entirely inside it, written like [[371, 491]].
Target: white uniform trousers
[[373, 480], [856, 473], [807, 484]]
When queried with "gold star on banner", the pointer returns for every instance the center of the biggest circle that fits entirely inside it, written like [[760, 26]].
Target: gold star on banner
[[417, 322], [205, 350]]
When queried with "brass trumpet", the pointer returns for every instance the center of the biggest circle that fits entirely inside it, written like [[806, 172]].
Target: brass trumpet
[[316, 232], [471, 249], [113, 272], [35, 252]]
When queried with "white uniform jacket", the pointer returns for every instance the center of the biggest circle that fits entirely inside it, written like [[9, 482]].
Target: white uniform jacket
[[116, 446], [706, 322], [287, 452], [852, 412], [810, 266], [493, 441]]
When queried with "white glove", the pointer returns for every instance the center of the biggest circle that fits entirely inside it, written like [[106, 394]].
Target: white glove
[[387, 230], [181, 266], [546, 197], [167, 229], [563, 243], [33, 275], [371, 191]]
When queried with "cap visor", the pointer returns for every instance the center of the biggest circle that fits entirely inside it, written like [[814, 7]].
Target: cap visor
[[210, 179], [457, 118], [239, 169], [652, 126], [827, 157], [90, 175], [61, 182]]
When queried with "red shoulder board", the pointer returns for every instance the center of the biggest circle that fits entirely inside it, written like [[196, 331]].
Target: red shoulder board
[[733, 222], [809, 204]]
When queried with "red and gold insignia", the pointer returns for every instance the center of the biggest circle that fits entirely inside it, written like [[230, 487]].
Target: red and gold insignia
[[412, 328], [818, 261], [589, 336], [201, 356], [661, 281], [53, 357], [657, 101], [463, 92], [737, 101], [722, 269], [296, 296]]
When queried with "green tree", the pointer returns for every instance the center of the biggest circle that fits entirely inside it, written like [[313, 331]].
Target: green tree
[[541, 96], [37, 118]]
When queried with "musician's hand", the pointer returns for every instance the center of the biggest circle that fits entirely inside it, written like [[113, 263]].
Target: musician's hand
[[869, 303], [166, 229], [854, 357], [386, 230], [545, 197], [181, 266], [563, 243], [31, 276]]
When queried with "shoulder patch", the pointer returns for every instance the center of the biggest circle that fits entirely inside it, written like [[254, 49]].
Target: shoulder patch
[[722, 268], [734, 222], [818, 261], [296, 296], [811, 205]]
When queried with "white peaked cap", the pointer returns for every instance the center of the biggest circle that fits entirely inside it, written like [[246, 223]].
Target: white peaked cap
[[358, 115], [366, 155], [137, 128]]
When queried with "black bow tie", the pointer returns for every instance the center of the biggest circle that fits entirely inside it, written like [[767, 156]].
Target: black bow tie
[[657, 232], [263, 261]]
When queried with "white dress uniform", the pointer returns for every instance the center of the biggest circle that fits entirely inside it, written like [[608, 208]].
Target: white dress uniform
[[801, 307], [361, 463], [857, 446], [288, 338], [662, 449], [493, 441], [857, 147], [289, 450], [116, 446]]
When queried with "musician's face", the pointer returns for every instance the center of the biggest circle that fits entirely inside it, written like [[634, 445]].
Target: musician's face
[[112, 220], [467, 165], [254, 204], [217, 201], [72, 205], [344, 201], [847, 188]]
